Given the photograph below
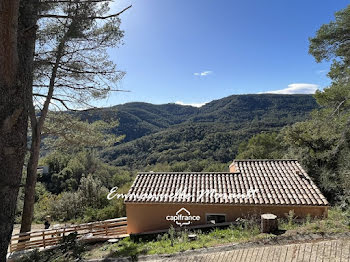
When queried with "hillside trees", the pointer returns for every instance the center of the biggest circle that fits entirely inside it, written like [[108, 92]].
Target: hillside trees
[[71, 69], [211, 132], [262, 146], [17, 40], [75, 188]]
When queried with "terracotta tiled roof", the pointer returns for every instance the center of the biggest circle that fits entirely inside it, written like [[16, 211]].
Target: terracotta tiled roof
[[277, 182]]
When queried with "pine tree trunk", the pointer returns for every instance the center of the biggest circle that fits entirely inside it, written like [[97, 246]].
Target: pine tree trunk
[[12, 122], [17, 41], [29, 193], [37, 126]]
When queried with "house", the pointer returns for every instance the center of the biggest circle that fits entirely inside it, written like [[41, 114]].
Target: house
[[252, 187], [42, 170]]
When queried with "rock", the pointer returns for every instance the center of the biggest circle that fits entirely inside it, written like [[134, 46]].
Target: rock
[[192, 237], [113, 240]]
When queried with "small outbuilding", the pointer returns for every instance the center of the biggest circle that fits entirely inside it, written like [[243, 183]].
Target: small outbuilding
[[157, 200]]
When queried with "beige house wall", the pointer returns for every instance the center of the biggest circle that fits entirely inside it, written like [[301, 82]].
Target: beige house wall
[[145, 217]]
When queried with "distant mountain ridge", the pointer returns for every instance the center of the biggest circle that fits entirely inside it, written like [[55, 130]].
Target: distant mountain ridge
[[172, 132]]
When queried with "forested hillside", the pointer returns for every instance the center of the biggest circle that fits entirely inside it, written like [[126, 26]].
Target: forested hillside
[[171, 133], [139, 119]]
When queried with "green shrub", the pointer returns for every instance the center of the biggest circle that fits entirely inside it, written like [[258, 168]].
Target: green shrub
[[68, 250]]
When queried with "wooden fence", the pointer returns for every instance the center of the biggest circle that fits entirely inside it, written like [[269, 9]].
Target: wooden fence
[[112, 228]]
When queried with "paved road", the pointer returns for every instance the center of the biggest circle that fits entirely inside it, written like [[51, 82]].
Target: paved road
[[321, 251]]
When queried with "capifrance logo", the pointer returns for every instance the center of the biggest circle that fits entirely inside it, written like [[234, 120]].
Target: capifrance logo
[[183, 217]]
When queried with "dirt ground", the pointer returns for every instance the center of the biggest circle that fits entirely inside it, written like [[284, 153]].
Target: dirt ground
[[35, 227]]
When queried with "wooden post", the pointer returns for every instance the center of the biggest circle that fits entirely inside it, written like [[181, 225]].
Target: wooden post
[[269, 223], [44, 239]]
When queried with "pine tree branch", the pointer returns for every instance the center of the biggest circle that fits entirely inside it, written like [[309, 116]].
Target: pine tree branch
[[70, 1], [78, 88], [62, 101], [87, 18], [342, 138], [68, 69], [338, 107]]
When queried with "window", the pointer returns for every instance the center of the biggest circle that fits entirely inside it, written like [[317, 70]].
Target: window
[[216, 218]]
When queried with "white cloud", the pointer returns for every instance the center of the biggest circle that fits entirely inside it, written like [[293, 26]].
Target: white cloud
[[322, 72], [204, 73], [190, 104], [296, 88]]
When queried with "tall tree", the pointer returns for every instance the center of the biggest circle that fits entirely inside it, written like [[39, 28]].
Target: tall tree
[[17, 40], [323, 142], [332, 42], [72, 68]]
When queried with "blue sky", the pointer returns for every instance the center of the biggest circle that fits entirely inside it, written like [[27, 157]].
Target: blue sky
[[193, 51]]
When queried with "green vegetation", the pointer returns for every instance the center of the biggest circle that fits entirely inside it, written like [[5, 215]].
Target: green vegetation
[[67, 75], [140, 119], [166, 244], [244, 231], [262, 146], [315, 130], [322, 143], [331, 161], [173, 241], [68, 133], [336, 222], [180, 138], [66, 171], [173, 133], [322, 146], [68, 250], [192, 147], [76, 187]]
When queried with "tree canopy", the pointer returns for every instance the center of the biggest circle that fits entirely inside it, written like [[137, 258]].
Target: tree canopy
[[262, 146], [71, 69], [332, 42]]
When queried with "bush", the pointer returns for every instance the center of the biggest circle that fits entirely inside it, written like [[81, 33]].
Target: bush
[[113, 210], [68, 250], [67, 206]]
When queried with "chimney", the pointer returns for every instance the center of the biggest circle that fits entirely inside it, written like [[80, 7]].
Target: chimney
[[233, 168]]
